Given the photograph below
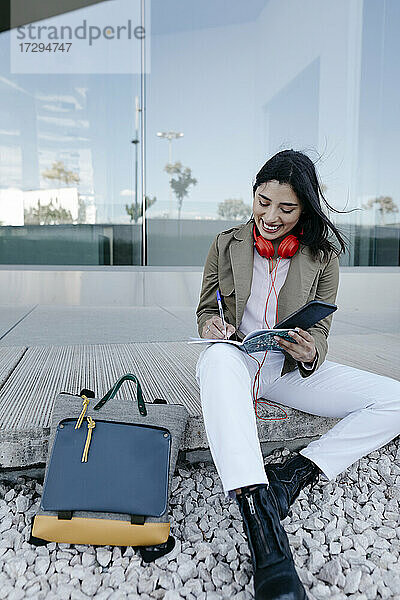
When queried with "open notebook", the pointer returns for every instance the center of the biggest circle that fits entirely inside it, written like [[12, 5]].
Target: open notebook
[[255, 341]]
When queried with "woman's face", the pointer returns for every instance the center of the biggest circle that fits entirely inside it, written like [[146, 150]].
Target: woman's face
[[276, 209]]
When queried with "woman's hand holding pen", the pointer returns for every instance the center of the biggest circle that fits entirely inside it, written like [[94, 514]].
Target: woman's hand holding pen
[[214, 329], [304, 350]]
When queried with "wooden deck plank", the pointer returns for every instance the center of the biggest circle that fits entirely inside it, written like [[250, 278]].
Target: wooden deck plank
[[164, 371], [9, 358]]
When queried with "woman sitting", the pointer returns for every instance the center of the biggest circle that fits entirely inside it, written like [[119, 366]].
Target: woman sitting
[[282, 258]]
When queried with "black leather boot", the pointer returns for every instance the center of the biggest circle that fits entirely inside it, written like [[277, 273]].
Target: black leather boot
[[288, 479], [275, 576]]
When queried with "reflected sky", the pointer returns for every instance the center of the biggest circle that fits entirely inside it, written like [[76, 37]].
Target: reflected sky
[[174, 16]]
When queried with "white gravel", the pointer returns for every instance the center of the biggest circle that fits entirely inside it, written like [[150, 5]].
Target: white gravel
[[345, 538]]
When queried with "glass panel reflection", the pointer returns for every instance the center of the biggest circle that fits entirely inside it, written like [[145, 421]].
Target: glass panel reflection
[[240, 87], [68, 182], [228, 87]]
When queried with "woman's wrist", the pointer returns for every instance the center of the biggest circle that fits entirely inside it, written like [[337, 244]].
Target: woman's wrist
[[310, 364], [314, 357]]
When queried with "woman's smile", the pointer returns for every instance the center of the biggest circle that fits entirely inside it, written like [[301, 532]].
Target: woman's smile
[[269, 228]]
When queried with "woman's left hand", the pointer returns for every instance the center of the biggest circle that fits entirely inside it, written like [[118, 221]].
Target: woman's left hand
[[304, 350]]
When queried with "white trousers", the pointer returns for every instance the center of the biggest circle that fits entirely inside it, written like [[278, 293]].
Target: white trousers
[[368, 405]]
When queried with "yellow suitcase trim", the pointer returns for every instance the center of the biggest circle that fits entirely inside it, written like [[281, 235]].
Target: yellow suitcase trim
[[101, 532]]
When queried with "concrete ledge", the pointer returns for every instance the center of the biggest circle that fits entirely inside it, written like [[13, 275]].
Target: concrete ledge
[[165, 286], [165, 370], [37, 470], [24, 447], [29, 447], [196, 456]]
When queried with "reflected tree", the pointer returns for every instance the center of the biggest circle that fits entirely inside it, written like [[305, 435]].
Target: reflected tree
[[59, 173], [385, 205], [234, 208], [47, 214], [181, 183], [135, 211]]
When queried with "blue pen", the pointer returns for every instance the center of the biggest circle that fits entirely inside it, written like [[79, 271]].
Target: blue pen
[[221, 312]]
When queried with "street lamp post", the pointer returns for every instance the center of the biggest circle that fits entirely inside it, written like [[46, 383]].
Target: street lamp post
[[136, 141], [170, 135]]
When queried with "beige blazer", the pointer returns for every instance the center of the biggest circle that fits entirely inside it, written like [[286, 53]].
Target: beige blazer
[[229, 267]]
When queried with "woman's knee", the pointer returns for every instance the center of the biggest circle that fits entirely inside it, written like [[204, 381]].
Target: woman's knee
[[219, 357], [224, 353]]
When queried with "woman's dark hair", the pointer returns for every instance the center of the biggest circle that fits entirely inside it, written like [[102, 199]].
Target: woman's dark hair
[[298, 170]]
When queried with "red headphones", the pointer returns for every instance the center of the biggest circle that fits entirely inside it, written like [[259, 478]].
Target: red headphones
[[287, 248]]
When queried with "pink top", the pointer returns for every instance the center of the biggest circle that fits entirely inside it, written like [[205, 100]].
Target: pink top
[[261, 286]]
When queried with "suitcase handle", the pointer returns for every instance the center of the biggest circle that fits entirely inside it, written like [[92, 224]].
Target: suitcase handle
[[111, 393]]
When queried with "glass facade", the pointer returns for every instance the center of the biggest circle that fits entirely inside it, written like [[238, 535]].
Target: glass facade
[[227, 85]]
